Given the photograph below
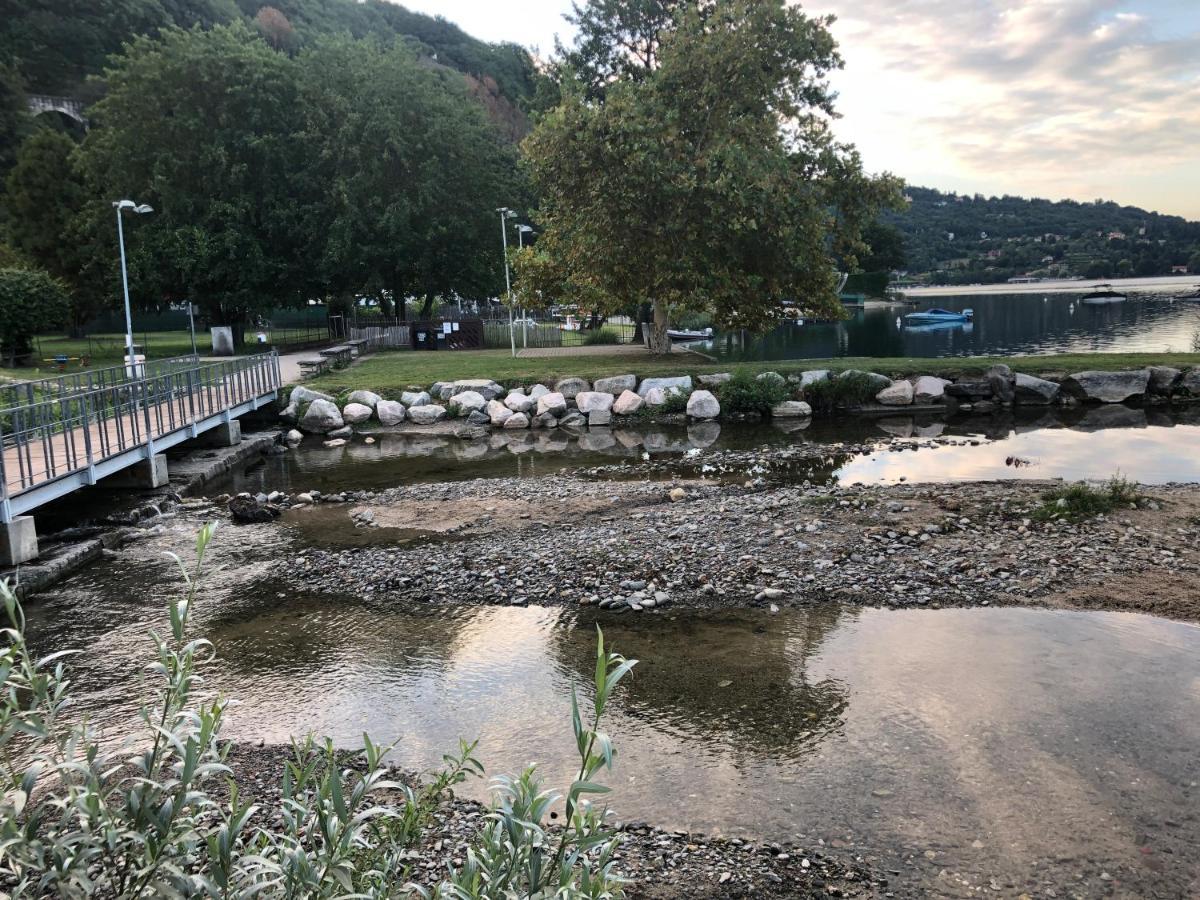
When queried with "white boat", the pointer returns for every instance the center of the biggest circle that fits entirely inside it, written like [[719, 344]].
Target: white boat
[[1102, 294], [683, 335]]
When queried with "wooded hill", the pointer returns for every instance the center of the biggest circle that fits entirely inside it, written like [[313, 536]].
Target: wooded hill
[[957, 238]]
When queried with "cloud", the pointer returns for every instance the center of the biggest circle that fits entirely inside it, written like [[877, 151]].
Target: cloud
[[1077, 98]]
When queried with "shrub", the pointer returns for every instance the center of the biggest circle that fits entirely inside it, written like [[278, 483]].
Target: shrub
[[840, 392], [77, 820], [30, 302], [601, 336], [1081, 500], [676, 403], [744, 393]]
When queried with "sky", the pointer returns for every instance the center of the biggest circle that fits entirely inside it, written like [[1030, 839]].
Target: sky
[[1049, 98]]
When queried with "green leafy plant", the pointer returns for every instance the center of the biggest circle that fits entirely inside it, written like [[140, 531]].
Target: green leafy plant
[[840, 392], [30, 301], [600, 336], [1075, 502], [745, 394]]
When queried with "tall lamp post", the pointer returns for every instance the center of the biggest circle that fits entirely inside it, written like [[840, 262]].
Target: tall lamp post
[[523, 230], [505, 215], [141, 209]]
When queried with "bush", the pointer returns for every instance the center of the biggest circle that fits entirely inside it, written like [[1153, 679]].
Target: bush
[[30, 302], [601, 336], [840, 392], [1075, 502], [744, 393], [77, 820]]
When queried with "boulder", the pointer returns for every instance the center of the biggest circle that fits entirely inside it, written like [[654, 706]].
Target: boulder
[[813, 375], [553, 403], [415, 398], [293, 437], [715, 379], [773, 377], [1163, 379], [1000, 377], [703, 405], [877, 382], [336, 442], [681, 383], [538, 391], [599, 417], [426, 414], [519, 402], [1001, 370], [366, 398], [656, 396], [442, 390], [899, 393], [970, 390], [468, 402], [574, 417], [1031, 391], [321, 417], [547, 420], [516, 421], [301, 395], [355, 413], [571, 387], [245, 508], [593, 401], [344, 432], [929, 389], [615, 385], [485, 387], [389, 412], [1189, 384], [791, 409], [627, 404], [290, 413], [1106, 387], [498, 413]]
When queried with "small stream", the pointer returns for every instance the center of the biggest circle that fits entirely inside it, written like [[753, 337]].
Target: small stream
[[1004, 750]]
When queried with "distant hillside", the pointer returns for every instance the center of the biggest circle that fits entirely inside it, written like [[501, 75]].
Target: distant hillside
[[959, 239], [56, 49]]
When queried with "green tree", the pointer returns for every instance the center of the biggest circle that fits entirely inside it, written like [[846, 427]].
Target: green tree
[[201, 125], [410, 173], [31, 301], [14, 116], [886, 245], [679, 186]]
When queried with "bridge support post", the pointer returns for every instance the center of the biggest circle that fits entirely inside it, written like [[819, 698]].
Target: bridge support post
[[147, 474], [18, 541], [227, 434]]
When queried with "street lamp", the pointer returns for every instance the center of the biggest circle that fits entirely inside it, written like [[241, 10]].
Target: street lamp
[[523, 230], [505, 215], [141, 209]]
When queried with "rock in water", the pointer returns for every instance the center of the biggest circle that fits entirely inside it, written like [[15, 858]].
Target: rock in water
[[627, 404], [516, 421], [426, 415], [321, 417], [389, 412], [293, 437], [929, 389], [791, 409], [498, 413], [1106, 387], [1031, 391], [593, 401], [899, 393], [599, 417], [553, 403], [1163, 379], [616, 385], [1190, 383], [703, 405], [355, 413], [244, 508]]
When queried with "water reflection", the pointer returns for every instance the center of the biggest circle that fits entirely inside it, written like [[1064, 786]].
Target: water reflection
[[1024, 323]]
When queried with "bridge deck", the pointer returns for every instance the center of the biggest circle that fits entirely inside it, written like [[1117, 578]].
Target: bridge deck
[[75, 436]]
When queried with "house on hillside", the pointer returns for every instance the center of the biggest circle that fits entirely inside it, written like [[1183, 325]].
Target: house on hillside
[[1179, 270]]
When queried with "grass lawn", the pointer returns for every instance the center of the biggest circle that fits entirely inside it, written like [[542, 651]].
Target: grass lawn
[[395, 371]]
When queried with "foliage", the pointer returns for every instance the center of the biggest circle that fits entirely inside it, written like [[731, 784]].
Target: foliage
[[681, 188], [30, 301], [965, 239], [844, 391], [78, 820], [275, 28], [745, 394], [599, 336], [516, 855], [14, 117], [1079, 501]]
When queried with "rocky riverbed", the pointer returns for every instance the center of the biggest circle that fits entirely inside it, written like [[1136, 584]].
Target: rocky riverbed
[[739, 529]]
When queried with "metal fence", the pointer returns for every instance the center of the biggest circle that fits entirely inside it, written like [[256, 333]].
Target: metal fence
[[74, 422], [551, 333]]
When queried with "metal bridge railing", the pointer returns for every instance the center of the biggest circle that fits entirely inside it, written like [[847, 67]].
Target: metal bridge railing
[[26, 393], [70, 427]]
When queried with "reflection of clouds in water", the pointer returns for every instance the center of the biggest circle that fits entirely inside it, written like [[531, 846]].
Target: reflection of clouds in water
[[1148, 455]]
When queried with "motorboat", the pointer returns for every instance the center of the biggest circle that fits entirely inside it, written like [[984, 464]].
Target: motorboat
[[938, 316], [683, 335], [1103, 293]]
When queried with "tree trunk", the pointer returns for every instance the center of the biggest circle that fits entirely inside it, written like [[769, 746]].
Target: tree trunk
[[659, 342], [427, 306]]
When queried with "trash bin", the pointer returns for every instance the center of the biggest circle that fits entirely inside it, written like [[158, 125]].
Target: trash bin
[[222, 340]]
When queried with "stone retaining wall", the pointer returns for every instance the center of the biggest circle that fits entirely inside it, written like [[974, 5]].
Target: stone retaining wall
[[576, 402]]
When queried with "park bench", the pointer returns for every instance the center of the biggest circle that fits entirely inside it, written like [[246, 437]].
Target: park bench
[[339, 355], [312, 367], [360, 346]]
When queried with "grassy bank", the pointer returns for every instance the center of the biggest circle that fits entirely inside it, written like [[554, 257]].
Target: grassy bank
[[396, 371]]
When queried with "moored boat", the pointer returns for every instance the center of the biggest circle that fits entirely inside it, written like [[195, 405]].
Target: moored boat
[[683, 335], [938, 315], [1103, 293]]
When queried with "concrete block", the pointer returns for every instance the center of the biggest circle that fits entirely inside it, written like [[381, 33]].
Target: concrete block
[[18, 541], [147, 474], [227, 434]]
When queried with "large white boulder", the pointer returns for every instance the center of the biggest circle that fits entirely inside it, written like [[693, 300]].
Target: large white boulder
[[427, 414], [355, 413], [415, 398], [656, 396], [898, 393], [703, 405], [929, 389], [485, 387], [516, 421], [593, 401], [682, 383], [791, 409], [1029, 390], [616, 385], [627, 404], [321, 417], [538, 391], [497, 412], [1107, 387], [366, 398], [389, 412], [571, 387], [519, 402], [812, 376], [553, 403], [301, 395], [468, 402], [715, 379]]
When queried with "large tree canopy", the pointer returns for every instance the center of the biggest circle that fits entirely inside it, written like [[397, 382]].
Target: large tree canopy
[[704, 174]]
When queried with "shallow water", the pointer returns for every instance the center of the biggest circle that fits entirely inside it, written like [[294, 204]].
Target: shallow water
[[1003, 324], [1029, 747]]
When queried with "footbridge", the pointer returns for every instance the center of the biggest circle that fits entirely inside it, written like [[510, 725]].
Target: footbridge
[[60, 434]]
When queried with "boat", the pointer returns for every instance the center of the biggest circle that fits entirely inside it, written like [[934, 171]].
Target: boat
[[1101, 294], [1194, 295], [938, 315], [683, 335]]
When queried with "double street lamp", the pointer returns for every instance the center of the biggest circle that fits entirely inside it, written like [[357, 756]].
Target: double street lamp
[[121, 206]]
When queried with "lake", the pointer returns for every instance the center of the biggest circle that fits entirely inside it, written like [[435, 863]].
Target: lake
[[1022, 322]]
